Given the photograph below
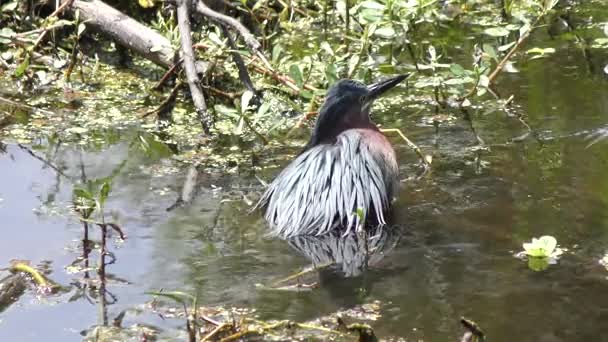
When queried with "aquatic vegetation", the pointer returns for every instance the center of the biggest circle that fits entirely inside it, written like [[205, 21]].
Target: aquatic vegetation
[[541, 252]]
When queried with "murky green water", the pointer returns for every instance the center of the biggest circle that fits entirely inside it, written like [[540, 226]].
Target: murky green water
[[449, 252]]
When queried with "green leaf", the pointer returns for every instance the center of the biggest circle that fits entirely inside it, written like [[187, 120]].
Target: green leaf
[[331, 73], [20, 70], [541, 51], [215, 38], [496, 31], [372, 5], [385, 32], [457, 69], [296, 74], [307, 94], [490, 51], [360, 213], [104, 191], [6, 32], [177, 296], [9, 7], [81, 28], [506, 46], [276, 52], [80, 193]]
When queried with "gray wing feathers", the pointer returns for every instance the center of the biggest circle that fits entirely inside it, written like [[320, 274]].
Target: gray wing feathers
[[323, 187]]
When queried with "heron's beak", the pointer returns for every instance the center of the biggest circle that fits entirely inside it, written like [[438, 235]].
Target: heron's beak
[[379, 88]]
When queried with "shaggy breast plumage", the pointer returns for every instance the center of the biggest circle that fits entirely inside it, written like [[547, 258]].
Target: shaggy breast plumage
[[324, 186]]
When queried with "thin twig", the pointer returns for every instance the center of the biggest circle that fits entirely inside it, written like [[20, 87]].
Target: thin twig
[[516, 47], [301, 273], [46, 162], [216, 331], [26, 106], [410, 144], [167, 103], [58, 11], [286, 80], [198, 98], [167, 74], [223, 19]]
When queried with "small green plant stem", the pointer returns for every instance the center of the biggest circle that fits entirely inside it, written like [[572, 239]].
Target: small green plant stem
[[37, 276]]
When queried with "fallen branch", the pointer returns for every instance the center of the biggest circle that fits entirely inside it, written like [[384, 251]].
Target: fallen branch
[[125, 30]]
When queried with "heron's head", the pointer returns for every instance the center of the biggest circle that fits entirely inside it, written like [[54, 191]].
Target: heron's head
[[347, 105]]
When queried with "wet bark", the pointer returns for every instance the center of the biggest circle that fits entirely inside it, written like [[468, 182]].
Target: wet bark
[[126, 31]]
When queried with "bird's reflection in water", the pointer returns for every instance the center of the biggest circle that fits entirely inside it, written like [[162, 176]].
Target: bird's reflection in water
[[352, 254]]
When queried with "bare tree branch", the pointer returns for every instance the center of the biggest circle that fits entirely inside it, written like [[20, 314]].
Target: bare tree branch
[[183, 22]]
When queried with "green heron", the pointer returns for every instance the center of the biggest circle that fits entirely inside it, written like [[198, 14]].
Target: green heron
[[347, 166]]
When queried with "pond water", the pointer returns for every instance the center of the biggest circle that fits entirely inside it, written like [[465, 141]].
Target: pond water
[[447, 253]]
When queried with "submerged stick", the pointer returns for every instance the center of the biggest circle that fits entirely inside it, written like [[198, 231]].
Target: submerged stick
[[301, 273]]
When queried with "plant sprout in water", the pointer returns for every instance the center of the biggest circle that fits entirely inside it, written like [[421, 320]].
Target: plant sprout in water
[[541, 252]]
